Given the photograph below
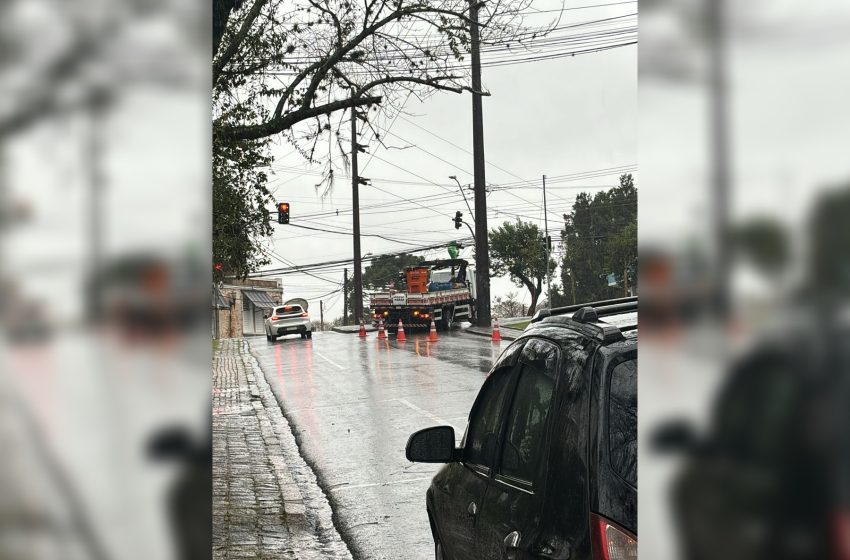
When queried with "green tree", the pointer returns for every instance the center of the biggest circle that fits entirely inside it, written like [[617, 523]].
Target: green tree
[[240, 201], [600, 238], [516, 248], [385, 269], [764, 242]]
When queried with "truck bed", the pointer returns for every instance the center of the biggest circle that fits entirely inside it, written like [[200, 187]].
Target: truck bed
[[423, 299]]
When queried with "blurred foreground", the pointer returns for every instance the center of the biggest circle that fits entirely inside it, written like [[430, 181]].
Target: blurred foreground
[[744, 249], [104, 263]]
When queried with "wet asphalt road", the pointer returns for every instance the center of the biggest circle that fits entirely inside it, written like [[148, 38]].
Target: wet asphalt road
[[353, 403]]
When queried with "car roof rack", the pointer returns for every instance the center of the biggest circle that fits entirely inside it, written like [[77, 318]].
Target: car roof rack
[[587, 315]]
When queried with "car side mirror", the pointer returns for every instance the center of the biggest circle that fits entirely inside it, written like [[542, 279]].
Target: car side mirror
[[675, 436], [171, 443], [431, 445]]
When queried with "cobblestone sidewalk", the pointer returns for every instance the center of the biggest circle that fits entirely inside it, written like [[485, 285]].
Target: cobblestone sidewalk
[[259, 510]]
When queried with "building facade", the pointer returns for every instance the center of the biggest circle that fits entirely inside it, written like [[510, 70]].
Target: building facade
[[240, 306]]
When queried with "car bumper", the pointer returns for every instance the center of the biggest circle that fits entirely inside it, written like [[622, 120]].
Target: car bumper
[[290, 327]]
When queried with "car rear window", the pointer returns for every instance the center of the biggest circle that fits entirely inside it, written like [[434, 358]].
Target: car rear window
[[288, 309], [622, 421]]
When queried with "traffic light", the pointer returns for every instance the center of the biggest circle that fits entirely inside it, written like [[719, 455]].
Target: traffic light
[[458, 219], [283, 212]]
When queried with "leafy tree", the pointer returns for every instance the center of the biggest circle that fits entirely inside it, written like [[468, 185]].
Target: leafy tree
[[559, 298], [507, 306], [241, 218], [600, 238], [281, 69], [385, 269], [517, 249], [278, 63], [764, 241]]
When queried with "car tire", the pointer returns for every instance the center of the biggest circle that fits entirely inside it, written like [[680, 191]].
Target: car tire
[[272, 337], [310, 335]]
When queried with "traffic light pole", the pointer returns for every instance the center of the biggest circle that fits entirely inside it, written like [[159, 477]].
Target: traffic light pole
[[482, 254], [357, 297]]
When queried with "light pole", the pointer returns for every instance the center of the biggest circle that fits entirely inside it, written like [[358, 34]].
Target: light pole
[[471, 213]]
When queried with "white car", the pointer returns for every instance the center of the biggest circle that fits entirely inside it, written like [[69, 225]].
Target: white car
[[289, 318]]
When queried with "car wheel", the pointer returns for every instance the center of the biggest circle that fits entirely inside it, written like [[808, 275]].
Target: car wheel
[[310, 335], [303, 336], [272, 337]]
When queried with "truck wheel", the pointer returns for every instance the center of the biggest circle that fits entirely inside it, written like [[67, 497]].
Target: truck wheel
[[448, 318]]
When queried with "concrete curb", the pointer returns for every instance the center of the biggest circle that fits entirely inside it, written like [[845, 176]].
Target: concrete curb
[[352, 329], [506, 332], [274, 429], [292, 476]]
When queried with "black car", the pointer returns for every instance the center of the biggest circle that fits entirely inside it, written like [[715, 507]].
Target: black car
[[767, 477], [547, 467]]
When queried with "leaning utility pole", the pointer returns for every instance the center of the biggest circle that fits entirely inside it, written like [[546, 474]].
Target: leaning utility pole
[[321, 315], [357, 303], [482, 253], [345, 296]]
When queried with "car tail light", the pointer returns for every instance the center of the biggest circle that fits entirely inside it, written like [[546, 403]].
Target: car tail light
[[611, 542], [274, 317], [305, 315], [841, 535]]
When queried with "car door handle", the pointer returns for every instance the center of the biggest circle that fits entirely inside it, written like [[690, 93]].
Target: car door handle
[[472, 510]]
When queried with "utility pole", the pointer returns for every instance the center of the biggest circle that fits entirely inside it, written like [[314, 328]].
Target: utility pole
[[357, 304], [321, 315], [482, 254], [345, 296], [546, 244], [720, 149], [97, 109]]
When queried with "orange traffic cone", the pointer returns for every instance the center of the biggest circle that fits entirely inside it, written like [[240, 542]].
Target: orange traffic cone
[[400, 337], [381, 334], [497, 336], [432, 336], [362, 333]]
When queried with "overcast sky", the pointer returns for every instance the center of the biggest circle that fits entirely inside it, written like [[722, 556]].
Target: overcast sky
[[565, 116]]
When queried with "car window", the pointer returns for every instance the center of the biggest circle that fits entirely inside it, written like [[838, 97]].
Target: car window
[[622, 421], [484, 421], [288, 309], [756, 412], [526, 428]]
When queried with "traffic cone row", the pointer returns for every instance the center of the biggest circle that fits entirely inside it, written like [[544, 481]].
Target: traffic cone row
[[400, 337], [362, 333], [381, 334], [432, 335], [497, 336]]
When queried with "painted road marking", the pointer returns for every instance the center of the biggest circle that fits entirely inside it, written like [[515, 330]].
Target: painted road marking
[[322, 356], [370, 485], [433, 417]]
